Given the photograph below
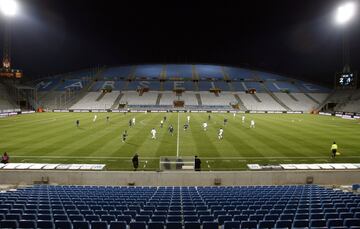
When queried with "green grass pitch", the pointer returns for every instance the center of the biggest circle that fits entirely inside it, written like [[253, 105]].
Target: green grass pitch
[[277, 138]]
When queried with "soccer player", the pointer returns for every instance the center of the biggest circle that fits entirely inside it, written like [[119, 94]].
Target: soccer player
[[95, 117], [220, 134], [225, 121], [124, 135], [205, 126], [334, 149], [243, 119], [107, 119], [164, 118], [133, 121], [153, 133], [77, 123], [161, 123], [252, 124], [234, 114], [171, 130], [135, 161], [130, 123], [209, 117], [188, 119], [186, 126]]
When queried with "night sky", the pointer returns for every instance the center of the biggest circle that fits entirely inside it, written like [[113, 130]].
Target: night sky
[[294, 38]]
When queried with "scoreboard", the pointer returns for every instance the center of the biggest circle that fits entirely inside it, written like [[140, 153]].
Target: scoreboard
[[346, 80]]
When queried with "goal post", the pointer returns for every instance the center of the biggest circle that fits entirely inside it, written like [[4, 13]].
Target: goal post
[[173, 163]]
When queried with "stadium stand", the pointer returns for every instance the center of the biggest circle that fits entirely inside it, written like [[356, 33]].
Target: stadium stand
[[96, 100], [179, 207], [6, 102], [260, 102], [297, 101], [198, 86]]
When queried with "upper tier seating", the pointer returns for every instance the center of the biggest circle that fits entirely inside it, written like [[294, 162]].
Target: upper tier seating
[[153, 85], [179, 71], [148, 71], [179, 207], [116, 73], [209, 71], [278, 86]]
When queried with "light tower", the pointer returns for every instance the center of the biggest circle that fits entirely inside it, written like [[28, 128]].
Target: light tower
[[345, 14], [9, 8]]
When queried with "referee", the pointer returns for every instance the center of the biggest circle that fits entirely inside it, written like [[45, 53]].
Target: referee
[[334, 149]]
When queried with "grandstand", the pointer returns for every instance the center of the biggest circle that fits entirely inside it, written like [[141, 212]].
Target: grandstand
[[176, 86], [179, 207]]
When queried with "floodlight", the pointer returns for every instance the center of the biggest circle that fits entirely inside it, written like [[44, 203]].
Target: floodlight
[[345, 12], [8, 7]]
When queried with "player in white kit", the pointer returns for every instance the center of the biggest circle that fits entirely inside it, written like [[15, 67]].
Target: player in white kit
[[252, 124], [220, 135], [205, 126], [153, 133], [95, 117]]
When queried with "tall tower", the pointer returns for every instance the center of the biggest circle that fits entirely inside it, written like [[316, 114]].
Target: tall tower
[[6, 61]]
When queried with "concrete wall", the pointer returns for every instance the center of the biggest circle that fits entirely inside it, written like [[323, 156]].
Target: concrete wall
[[180, 178]]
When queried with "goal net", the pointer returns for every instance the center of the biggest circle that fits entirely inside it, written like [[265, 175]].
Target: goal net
[[172, 163]]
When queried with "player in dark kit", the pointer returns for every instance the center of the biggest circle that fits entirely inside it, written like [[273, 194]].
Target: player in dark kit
[[77, 123], [124, 135], [186, 126], [171, 130], [107, 119], [130, 123], [225, 121]]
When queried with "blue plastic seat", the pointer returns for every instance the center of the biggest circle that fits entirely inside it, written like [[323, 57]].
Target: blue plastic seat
[[63, 224], [80, 225], [223, 218], [192, 225], [117, 225], [124, 218], [142, 218], [283, 224], [99, 225], [155, 225], [173, 225], [191, 218], [266, 224], [13, 217], [174, 218], [9, 224], [91, 218], [248, 224], [137, 225], [318, 223], [27, 224], [76, 217], [334, 223], [232, 224], [301, 223], [45, 224], [203, 218], [210, 225], [351, 222]]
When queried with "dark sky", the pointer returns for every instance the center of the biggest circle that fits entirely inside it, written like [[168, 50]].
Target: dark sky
[[294, 37]]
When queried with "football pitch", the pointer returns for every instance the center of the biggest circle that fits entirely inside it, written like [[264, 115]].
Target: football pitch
[[277, 138]]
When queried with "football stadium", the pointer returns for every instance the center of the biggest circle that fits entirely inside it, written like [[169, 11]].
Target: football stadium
[[158, 142]]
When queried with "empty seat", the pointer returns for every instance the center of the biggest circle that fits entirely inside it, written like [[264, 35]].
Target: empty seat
[[117, 225], [156, 225], [13, 217], [124, 218], [63, 224], [9, 224], [351, 222], [45, 224], [210, 225], [223, 218], [266, 224], [27, 224], [301, 223], [248, 224], [334, 223], [98, 225], [283, 224], [108, 218], [231, 224], [173, 225], [80, 225], [174, 218], [191, 218], [192, 225], [318, 223], [91, 218]]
